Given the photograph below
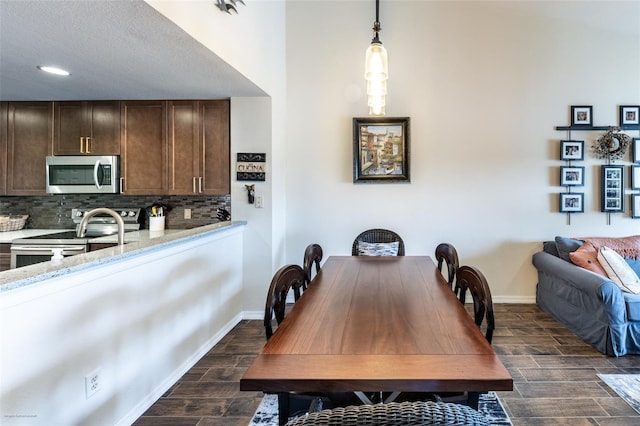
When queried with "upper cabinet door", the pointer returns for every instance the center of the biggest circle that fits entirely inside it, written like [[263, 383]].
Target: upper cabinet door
[[184, 148], [4, 110], [29, 141], [143, 162], [215, 155], [87, 128]]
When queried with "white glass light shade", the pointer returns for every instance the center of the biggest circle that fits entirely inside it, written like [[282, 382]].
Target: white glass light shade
[[376, 73]]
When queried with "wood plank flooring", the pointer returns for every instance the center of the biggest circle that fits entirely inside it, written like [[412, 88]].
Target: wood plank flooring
[[554, 373]]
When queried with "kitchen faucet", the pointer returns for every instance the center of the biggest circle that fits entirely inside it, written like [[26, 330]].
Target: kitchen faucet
[[82, 228]]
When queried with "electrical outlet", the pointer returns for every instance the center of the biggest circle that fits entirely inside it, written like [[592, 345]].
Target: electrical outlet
[[187, 213], [92, 383], [259, 201]]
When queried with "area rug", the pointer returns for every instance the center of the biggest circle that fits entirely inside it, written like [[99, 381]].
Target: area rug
[[625, 385], [489, 405]]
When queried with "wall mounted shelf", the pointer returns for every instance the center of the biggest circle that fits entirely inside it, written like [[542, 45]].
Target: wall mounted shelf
[[583, 127]]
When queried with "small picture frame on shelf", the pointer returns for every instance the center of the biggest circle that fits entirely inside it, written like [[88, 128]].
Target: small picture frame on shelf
[[612, 189], [635, 177], [629, 115], [571, 202], [635, 206], [581, 115], [571, 176], [572, 150]]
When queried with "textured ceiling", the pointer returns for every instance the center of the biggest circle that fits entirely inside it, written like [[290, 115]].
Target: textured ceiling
[[114, 49]]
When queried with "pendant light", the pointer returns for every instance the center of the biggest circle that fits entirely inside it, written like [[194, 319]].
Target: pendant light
[[376, 70]]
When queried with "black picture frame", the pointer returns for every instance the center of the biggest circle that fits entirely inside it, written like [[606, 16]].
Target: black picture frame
[[635, 177], [635, 206], [572, 176], [612, 190], [572, 150], [582, 115], [635, 150], [629, 115], [381, 149], [571, 202]]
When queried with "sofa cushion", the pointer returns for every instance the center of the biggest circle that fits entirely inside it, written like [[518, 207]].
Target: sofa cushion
[[378, 249], [587, 257], [550, 247], [618, 270], [566, 246]]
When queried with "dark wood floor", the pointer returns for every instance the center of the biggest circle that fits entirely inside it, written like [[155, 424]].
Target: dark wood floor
[[554, 373]]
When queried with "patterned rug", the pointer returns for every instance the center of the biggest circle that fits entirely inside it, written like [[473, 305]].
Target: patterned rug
[[489, 405], [625, 385]]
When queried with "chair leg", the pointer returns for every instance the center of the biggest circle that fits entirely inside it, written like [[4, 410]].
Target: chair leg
[[473, 398], [283, 408]]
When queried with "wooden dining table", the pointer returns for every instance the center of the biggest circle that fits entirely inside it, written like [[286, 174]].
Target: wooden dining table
[[377, 324]]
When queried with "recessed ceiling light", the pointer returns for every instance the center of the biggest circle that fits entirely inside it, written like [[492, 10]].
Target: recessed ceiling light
[[53, 70]]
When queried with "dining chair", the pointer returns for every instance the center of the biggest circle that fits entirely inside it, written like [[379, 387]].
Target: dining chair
[[446, 253], [312, 254], [377, 242], [285, 278], [394, 413], [470, 278]]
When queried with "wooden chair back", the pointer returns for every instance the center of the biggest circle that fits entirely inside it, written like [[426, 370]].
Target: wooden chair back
[[283, 280], [470, 278], [446, 253], [312, 254]]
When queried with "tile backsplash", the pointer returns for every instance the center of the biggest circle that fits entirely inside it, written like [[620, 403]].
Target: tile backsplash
[[54, 211]]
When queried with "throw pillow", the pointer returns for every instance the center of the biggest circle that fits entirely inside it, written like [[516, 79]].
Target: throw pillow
[[566, 246], [618, 270], [587, 257], [378, 249]]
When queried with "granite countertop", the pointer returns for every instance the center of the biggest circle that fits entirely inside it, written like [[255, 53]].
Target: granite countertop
[[135, 242], [8, 236], [134, 236]]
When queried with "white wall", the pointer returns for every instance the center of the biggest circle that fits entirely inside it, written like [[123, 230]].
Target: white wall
[[485, 84], [143, 322]]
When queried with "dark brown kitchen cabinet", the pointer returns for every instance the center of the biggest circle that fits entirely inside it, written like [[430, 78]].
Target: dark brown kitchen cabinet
[[198, 147], [87, 127], [3, 147], [5, 256], [143, 162], [29, 141], [215, 145]]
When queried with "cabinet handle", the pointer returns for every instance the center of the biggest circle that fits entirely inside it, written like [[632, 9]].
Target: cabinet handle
[[82, 145], [121, 185], [200, 184], [193, 180], [88, 145]]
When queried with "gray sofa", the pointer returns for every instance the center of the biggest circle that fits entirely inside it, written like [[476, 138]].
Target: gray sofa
[[590, 305]]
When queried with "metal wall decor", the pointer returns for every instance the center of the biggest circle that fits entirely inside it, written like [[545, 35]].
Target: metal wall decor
[[251, 166], [228, 6]]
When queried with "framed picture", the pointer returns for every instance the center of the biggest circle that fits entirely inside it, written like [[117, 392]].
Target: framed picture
[[381, 149], [629, 114], [635, 177], [571, 150], [571, 203], [582, 115], [571, 176], [635, 150], [612, 188], [635, 206]]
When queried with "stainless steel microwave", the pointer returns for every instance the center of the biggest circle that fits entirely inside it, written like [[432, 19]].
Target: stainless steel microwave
[[83, 174]]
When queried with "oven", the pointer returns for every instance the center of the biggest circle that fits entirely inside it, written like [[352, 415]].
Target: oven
[[31, 250], [61, 244]]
